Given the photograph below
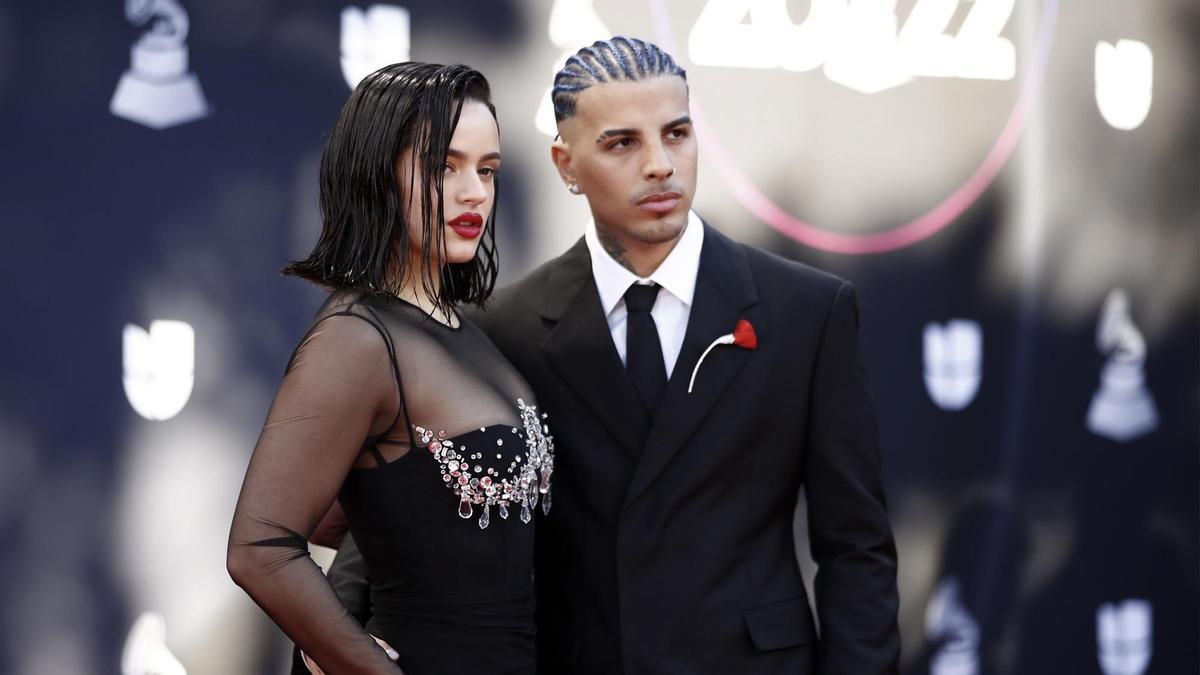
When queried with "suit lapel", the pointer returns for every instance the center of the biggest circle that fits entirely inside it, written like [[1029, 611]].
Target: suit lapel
[[580, 349], [724, 290]]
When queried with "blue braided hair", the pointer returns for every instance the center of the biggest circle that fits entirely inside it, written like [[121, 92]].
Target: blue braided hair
[[620, 59]]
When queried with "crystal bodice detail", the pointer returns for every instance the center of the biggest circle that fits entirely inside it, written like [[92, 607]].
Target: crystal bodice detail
[[483, 474]]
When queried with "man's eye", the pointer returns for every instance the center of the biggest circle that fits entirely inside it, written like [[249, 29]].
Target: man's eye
[[623, 143]]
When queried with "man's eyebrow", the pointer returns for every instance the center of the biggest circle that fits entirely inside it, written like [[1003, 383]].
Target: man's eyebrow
[[616, 132], [459, 154], [686, 119]]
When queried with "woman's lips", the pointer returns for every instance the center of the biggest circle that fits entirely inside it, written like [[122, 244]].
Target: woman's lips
[[468, 225], [660, 203]]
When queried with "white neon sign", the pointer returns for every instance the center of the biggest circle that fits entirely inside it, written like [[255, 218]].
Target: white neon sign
[[859, 42]]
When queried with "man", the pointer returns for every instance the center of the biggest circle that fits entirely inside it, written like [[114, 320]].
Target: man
[[670, 546]]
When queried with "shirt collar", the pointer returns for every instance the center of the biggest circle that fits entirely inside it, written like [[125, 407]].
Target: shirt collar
[[676, 274]]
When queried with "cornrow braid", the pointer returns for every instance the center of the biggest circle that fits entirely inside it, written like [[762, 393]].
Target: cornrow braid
[[620, 59]]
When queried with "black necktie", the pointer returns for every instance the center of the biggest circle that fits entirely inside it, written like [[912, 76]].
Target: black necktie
[[643, 351]]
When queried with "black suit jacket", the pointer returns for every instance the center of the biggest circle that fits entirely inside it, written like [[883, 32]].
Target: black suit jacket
[[670, 547]]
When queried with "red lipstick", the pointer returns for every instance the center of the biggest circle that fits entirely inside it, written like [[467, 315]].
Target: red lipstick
[[468, 225]]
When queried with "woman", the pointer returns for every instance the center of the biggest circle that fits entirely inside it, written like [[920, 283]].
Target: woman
[[397, 407]]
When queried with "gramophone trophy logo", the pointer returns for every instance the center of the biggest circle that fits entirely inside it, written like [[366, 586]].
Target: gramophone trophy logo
[[950, 626], [1122, 408], [158, 91]]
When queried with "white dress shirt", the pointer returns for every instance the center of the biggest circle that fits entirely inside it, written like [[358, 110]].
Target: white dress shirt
[[676, 275]]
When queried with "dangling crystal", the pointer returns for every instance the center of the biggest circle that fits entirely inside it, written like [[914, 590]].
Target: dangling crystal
[[464, 508], [485, 517], [504, 510], [544, 483], [546, 503], [533, 495], [526, 516]]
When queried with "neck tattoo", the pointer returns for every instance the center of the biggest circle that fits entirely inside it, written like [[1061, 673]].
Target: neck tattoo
[[614, 249]]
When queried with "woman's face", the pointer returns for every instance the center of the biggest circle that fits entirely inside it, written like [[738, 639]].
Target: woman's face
[[468, 185]]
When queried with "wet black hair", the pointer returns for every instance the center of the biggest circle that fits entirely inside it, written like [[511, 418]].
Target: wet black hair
[[620, 59], [365, 238]]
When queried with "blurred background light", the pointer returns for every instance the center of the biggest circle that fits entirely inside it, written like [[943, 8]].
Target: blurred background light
[[1010, 185]]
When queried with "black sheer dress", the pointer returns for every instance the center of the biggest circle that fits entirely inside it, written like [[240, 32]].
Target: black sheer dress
[[433, 446]]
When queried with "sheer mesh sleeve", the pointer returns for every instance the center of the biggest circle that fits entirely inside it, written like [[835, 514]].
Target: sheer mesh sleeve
[[339, 390]]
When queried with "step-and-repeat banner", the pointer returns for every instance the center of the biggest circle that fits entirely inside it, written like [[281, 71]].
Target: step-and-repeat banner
[[1013, 185]]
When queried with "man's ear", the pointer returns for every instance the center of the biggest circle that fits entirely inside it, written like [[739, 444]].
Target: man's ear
[[560, 154]]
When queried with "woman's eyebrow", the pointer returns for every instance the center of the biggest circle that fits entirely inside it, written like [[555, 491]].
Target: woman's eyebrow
[[459, 154]]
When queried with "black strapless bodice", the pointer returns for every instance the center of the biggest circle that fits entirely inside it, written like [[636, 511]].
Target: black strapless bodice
[[449, 595]]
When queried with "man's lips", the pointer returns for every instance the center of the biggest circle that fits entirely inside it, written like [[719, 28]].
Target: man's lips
[[468, 225], [660, 202]]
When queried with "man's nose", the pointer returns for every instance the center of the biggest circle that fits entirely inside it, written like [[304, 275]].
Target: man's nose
[[658, 164]]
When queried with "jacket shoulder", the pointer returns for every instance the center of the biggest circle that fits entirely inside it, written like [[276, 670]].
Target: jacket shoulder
[[513, 307], [772, 271], [527, 293]]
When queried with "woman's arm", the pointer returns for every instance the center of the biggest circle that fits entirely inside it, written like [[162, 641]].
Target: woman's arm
[[338, 390], [332, 529]]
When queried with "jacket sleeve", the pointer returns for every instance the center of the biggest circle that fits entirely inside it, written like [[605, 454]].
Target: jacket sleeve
[[850, 536]]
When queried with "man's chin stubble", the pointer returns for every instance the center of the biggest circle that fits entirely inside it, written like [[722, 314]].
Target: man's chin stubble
[[661, 232]]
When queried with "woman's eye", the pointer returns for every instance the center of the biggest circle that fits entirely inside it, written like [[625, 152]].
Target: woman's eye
[[487, 171], [446, 168]]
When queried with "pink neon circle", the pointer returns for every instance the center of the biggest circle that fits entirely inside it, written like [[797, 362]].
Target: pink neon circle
[[932, 222]]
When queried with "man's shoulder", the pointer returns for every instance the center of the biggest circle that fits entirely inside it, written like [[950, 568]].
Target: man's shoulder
[[773, 272], [523, 300], [536, 282], [530, 291]]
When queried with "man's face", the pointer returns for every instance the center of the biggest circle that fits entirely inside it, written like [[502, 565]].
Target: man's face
[[631, 149]]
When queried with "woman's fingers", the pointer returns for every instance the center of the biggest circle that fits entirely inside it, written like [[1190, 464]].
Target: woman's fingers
[[392, 653], [312, 666]]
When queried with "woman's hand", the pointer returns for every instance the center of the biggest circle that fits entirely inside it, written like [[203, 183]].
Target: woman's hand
[[316, 670]]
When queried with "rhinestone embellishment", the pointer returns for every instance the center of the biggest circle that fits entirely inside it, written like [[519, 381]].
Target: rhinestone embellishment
[[522, 482]]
